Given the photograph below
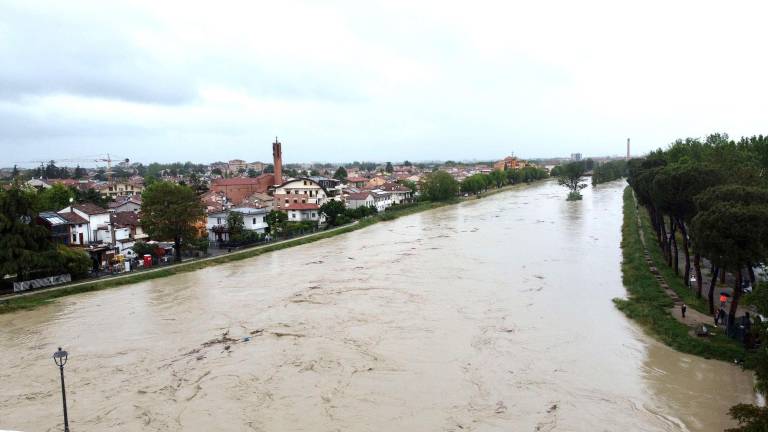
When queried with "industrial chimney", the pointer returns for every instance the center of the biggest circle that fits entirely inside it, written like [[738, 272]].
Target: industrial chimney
[[277, 159], [628, 149]]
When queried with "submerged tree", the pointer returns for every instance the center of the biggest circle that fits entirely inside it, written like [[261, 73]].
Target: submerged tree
[[569, 176]]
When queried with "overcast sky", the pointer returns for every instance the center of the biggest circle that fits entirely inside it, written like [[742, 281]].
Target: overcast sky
[[359, 80]]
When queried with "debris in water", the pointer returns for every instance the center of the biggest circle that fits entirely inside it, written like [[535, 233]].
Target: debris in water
[[500, 407]]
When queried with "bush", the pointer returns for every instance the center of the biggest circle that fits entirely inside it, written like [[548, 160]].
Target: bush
[[75, 262]]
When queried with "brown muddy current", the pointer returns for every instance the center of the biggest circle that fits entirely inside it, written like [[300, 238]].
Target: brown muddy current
[[491, 315]]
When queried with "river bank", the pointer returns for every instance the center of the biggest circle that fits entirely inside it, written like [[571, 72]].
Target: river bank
[[34, 299], [650, 305], [473, 316]]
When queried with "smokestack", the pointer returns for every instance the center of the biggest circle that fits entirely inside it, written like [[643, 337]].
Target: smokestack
[[627, 148], [277, 159]]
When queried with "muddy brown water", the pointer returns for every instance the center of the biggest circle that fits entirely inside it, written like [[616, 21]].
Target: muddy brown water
[[491, 315]]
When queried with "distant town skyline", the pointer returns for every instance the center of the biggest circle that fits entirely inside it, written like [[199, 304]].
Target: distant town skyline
[[345, 81]]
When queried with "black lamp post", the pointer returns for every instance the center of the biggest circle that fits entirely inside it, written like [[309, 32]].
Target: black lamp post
[[60, 357]]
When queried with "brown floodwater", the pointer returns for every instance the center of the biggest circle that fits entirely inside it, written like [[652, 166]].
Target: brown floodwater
[[491, 315]]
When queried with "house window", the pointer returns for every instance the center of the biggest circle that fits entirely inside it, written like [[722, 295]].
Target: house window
[[79, 225], [218, 221], [303, 201], [305, 182], [254, 221], [293, 215], [74, 238], [264, 219], [314, 215]]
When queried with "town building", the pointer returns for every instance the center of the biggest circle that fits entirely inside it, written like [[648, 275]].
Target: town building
[[237, 165], [359, 199], [254, 219], [87, 223], [57, 225], [118, 188], [509, 162], [124, 204], [238, 188], [399, 194]]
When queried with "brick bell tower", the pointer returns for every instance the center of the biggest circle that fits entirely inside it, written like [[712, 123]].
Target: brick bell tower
[[277, 160]]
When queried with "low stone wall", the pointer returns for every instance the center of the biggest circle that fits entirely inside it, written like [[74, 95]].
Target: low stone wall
[[41, 283]]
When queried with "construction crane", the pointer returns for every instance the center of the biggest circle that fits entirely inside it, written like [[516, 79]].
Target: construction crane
[[98, 158]]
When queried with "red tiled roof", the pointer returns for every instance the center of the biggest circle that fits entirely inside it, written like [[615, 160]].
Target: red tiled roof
[[358, 196], [90, 208], [125, 219], [357, 179], [73, 218], [240, 181]]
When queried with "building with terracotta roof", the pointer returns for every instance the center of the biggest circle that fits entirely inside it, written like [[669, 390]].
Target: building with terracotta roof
[[126, 204], [354, 200], [239, 188], [85, 221]]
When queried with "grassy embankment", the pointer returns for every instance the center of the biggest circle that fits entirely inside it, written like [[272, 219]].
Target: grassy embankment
[[649, 305], [33, 300]]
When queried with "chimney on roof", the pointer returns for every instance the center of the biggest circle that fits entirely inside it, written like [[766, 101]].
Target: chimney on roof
[[277, 156]]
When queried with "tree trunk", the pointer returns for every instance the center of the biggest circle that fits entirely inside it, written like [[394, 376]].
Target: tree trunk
[[712, 286], [177, 248], [686, 252], [734, 301], [673, 255], [722, 277], [751, 273], [664, 239], [697, 269]]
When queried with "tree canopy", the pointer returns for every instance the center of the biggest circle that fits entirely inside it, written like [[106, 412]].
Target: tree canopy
[[171, 212], [439, 186]]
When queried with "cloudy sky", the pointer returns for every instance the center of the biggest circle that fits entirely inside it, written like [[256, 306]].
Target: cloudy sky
[[363, 80]]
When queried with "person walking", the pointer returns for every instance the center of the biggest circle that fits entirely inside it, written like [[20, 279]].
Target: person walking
[[683, 308]]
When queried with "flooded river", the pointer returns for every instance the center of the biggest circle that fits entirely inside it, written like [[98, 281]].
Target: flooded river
[[491, 315]]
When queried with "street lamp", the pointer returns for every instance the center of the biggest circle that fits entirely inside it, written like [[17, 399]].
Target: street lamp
[[60, 358]]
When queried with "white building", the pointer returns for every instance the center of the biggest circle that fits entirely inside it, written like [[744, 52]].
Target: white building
[[254, 219], [360, 199], [89, 223], [300, 191]]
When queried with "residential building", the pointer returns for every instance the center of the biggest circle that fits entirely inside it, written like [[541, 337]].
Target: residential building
[[118, 188], [57, 225], [86, 221], [303, 190], [254, 219], [399, 194], [360, 199], [256, 166], [260, 200], [236, 165], [130, 204], [509, 162], [357, 181], [300, 212]]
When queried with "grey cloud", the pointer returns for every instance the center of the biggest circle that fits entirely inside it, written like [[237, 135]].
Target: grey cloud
[[46, 53]]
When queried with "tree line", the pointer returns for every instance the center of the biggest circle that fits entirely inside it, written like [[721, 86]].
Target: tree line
[[441, 186], [708, 200]]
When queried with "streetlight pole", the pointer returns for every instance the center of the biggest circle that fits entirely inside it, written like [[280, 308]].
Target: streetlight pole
[[60, 358]]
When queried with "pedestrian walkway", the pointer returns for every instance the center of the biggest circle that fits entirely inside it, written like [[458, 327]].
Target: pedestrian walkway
[[693, 317]]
